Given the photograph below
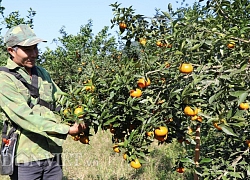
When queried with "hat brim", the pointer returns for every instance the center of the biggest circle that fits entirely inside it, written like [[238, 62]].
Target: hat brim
[[31, 41]]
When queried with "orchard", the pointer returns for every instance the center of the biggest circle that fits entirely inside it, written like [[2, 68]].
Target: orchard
[[181, 75]]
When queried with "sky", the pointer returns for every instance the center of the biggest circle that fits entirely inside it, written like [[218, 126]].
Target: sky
[[52, 15]]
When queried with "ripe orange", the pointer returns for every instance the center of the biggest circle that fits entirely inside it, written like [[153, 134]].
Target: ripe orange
[[123, 25], [180, 169], [248, 143], [66, 112], [142, 83], [161, 131], [159, 43], [149, 134], [135, 164], [116, 149], [125, 156], [217, 126], [169, 45], [148, 82], [244, 106], [231, 45], [79, 69], [167, 65], [90, 88], [186, 68], [76, 137], [193, 118], [160, 138], [199, 118], [143, 41], [78, 111], [136, 93], [84, 139], [190, 112]]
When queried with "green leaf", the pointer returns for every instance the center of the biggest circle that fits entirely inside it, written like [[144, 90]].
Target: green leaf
[[205, 160], [237, 93], [227, 130], [166, 14], [242, 97], [235, 174], [170, 8], [187, 160], [178, 53], [214, 97]]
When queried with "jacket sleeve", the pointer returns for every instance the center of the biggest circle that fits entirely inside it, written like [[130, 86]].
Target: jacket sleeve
[[14, 104]]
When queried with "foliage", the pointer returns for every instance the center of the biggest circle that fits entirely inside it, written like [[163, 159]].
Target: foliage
[[154, 48], [99, 75]]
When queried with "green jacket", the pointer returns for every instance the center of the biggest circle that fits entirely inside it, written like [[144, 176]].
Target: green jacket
[[41, 132]]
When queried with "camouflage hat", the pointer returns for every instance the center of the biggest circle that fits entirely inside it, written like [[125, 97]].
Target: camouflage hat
[[21, 35]]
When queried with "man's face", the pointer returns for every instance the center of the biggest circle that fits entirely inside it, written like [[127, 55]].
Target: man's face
[[24, 56]]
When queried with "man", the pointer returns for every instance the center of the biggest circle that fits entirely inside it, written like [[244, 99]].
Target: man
[[41, 134]]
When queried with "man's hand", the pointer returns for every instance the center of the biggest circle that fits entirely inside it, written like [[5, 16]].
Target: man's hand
[[76, 129]]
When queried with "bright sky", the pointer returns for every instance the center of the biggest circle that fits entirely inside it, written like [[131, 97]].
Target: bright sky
[[53, 14]]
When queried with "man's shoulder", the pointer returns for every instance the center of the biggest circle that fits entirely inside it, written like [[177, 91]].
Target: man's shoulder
[[43, 73]]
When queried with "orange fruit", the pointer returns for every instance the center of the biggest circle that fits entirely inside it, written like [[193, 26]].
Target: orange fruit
[[160, 138], [231, 45], [78, 111], [169, 45], [143, 41], [125, 156], [79, 69], [149, 134], [84, 139], [66, 112], [217, 126], [148, 82], [90, 88], [199, 118], [186, 68], [193, 118], [123, 25], [180, 169], [135, 164], [141, 83], [136, 93], [76, 138], [244, 106], [248, 143], [116, 149], [190, 112], [167, 65], [161, 131], [159, 43]]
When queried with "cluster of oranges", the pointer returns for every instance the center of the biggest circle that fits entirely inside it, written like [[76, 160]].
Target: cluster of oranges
[[141, 83], [193, 113], [134, 163]]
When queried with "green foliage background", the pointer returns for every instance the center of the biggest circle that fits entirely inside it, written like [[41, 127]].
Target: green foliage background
[[198, 35]]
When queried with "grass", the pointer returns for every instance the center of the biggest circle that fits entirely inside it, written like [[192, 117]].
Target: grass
[[97, 161]]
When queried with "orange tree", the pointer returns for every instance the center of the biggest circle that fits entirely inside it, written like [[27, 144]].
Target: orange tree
[[214, 39], [178, 75]]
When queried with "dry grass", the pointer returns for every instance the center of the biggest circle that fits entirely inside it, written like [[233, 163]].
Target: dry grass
[[97, 161]]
